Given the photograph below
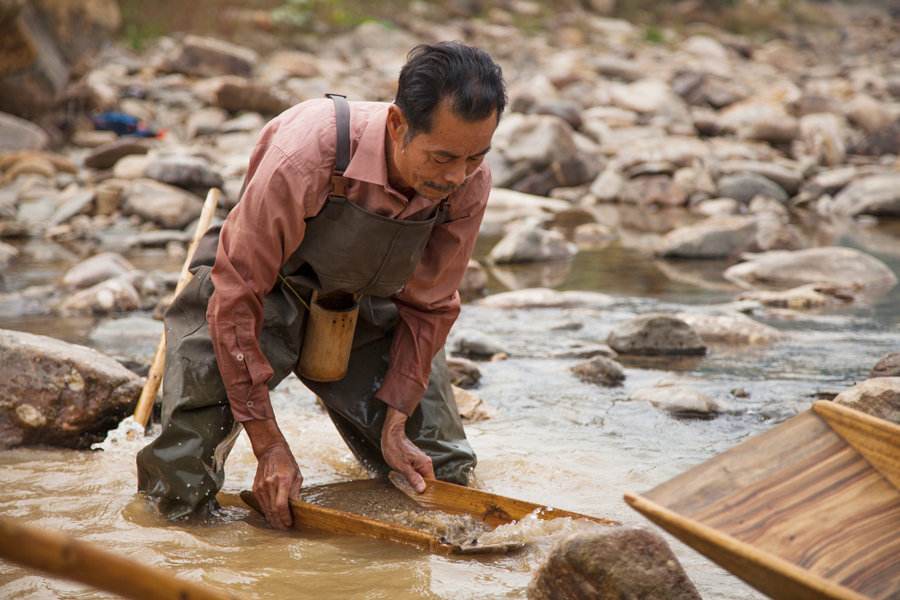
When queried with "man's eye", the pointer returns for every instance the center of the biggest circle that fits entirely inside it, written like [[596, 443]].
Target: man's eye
[[441, 160]]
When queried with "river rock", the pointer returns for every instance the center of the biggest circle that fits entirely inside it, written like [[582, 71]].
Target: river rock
[[537, 140], [600, 370], [463, 372], [208, 57], [111, 296], [825, 137], [608, 186], [529, 243], [61, 394], [678, 400], [168, 206], [655, 335], [653, 189], [879, 397], [96, 269], [614, 564], [546, 298], [470, 406], [877, 195], [715, 237], [19, 134], [743, 187], [184, 171], [236, 94], [834, 265], [474, 282], [788, 176], [107, 155], [760, 121], [205, 121], [7, 254], [78, 203], [474, 344], [880, 142], [131, 166], [732, 328], [868, 113], [131, 340], [644, 96], [888, 366], [804, 297]]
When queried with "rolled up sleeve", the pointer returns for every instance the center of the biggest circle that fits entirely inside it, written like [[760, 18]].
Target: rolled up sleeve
[[429, 303]]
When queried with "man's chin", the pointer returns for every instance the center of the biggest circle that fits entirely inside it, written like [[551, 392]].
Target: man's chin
[[435, 193]]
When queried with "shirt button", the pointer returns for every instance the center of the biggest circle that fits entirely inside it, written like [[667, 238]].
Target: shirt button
[[250, 403], [239, 356]]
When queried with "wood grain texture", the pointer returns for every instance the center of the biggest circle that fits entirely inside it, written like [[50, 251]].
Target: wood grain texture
[[801, 495]]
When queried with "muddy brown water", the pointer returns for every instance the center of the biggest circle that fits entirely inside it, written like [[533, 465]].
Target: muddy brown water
[[554, 440]]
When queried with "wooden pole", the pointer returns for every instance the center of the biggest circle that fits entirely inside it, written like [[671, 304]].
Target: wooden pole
[[154, 377], [63, 556]]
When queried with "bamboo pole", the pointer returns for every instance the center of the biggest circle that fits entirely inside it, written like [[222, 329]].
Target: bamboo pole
[[63, 556], [154, 377]]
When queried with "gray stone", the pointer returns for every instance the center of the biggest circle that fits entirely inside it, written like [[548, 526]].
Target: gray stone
[[879, 397], [878, 143], [614, 564], [529, 243], [877, 195], [804, 297], [743, 187], [168, 206], [208, 57], [731, 328], [236, 94], [130, 339], [760, 121], [643, 96], [464, 373], [600, 370], [7, 254], [888, 366], [79, 203], [788, 176], [474, 344], [205, 121], [474, 281], [537, 140], [470, 406], [97, 268], [184, 171], [111, 296], [832, 265], [678, 400], [653, 189], [715, 237], [31, 302], [19, 134], [107, 155], [655, 335], [60, 394], [159, 238]]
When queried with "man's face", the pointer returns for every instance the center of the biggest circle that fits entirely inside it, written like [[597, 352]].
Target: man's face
[[436, 163]]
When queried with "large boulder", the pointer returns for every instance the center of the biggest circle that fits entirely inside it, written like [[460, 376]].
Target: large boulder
[[161, 203], [874, 195], [655, 335], [53, 392], [880, 397], [530, 243], [833, 265], [715, 237], [615, 564], [208, 57]]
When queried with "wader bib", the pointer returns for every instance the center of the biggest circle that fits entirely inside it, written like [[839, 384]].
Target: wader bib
[[346, 248]]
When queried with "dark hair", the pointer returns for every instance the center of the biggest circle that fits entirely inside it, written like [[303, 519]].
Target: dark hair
[[465, 74]]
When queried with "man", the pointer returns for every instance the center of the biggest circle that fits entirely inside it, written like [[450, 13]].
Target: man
[[380, 200]]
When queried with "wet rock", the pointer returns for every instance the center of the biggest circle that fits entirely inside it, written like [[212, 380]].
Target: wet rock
[[594, 235], [788, 176], [96, 269], [655, 335], [474, 281], [868, 114], [19, 134], [471, 408], [184, 171], [546, 298], [617, 563], [107, 155], [537, 140], [879, 397], [834, 265], [653, 189], [678, 400], [581, 349], [159, 238], [888, 366], [804, 297], [825, 138], [235, 94], [131, 340], [715, 237], [110, 296], [743, 187], [205, 121], [877, 195], [208, 57], [474, 344], [528, 243], [464, 373], [760, 121], [731, 328], [78, 203], [168, 206], [60, 394], [131, 167], [600, 370]]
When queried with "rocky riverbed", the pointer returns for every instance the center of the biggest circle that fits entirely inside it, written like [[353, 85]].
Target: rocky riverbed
[[690, 239]]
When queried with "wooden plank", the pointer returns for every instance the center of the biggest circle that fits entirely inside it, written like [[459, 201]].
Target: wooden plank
[[493, 509], [771, 575], [876, 439], [63, 556]]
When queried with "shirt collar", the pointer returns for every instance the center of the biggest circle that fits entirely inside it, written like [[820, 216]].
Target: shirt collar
[[369, 161]]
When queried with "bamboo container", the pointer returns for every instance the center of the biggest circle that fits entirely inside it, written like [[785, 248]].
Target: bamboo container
[[328, 340]]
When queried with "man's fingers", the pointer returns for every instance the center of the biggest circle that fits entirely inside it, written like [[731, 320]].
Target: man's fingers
[[414, 479], [426, 468], [296, 486], [282, 509]]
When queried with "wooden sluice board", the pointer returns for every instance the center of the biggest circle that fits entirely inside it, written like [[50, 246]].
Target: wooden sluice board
[[809, 509], [491, 509]]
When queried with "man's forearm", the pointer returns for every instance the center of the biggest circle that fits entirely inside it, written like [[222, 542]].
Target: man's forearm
[[263, 434]]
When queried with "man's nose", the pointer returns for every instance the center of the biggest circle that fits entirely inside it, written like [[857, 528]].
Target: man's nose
[[456, 175]]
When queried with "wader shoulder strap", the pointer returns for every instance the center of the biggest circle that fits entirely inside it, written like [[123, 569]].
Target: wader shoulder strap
[[342, 148]]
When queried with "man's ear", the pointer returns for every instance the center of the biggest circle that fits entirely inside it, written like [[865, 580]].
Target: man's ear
[[397, 125]]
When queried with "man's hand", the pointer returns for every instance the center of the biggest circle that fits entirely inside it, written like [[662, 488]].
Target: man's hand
[[401, 454], [278, 477]]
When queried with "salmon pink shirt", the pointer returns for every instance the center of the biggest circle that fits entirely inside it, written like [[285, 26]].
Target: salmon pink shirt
[[288, 181]]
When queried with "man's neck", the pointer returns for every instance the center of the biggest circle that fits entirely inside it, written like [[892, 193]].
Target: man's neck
[[393, 173]]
